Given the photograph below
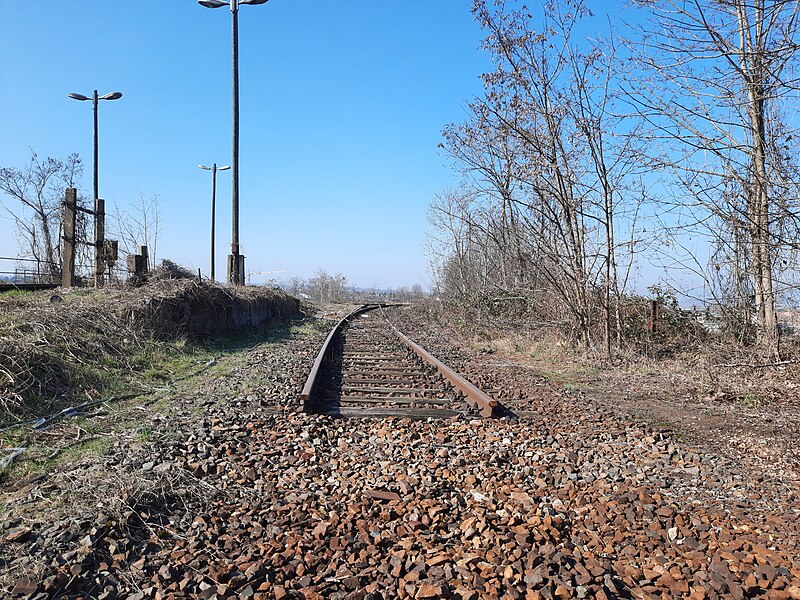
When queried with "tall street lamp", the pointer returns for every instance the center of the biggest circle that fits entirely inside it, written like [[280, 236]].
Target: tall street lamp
[[236, 261], [214, 168], [98, 227]]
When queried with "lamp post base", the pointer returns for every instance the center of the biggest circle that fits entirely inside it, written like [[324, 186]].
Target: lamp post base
[[236, 276]]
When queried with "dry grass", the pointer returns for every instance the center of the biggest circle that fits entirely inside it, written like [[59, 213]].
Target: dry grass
[[58, 353], [714, 371]]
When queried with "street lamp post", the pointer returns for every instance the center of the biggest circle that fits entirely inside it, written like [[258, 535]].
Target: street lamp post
[[236, 276], [214, 168], [98, 227]]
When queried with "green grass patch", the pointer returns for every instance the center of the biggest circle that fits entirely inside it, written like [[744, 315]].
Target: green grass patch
[[748, 401], [93, 446], [308, 327], [143, 434], [46, 458], [16, 294]]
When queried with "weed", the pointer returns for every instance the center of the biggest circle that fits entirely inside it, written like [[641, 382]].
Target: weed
[[164, 362], [308, 327], [142, 435], [748, 401], [221, 370], [93, 446], [41, 458]]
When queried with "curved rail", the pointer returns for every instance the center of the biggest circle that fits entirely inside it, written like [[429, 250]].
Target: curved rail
[[473, 395], [324, 354]]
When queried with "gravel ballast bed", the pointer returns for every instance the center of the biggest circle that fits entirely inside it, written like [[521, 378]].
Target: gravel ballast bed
[[238, 494]]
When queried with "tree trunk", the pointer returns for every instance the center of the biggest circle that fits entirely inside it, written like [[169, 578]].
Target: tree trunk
[[759, 197]]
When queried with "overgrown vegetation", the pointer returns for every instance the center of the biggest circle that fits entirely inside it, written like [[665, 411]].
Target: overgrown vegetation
[[85, 344], [592, 155], [100, 366]]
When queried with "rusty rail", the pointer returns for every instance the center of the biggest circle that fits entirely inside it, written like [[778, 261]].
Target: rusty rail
[[324, 354], [473, 395]]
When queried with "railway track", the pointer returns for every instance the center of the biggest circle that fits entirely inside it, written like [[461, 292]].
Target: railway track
[[368, 368]]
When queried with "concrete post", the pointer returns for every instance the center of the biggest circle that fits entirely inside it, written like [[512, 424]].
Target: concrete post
[[68, 252], [146, 257], [236, 272]]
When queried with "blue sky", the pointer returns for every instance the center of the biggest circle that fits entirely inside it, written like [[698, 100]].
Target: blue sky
[[342, 104]]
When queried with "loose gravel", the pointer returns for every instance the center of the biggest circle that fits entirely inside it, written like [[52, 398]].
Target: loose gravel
[[238, 494]]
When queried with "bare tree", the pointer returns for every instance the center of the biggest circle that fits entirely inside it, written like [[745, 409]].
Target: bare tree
[[452, 245], [38, 192], [295, 286], [327, 288], [141, 226], [717, 72], [547, 183]]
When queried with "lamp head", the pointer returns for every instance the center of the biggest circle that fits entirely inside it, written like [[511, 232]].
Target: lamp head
[[212, 3], [111, 96], [78, 96]]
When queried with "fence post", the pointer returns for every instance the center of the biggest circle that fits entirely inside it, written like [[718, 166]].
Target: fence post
[[68, 253], [99, 239], [653, 316]]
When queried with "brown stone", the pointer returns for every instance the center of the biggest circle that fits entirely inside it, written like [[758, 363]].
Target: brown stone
[[427, 590], [20, 534], [382, 495], [24, 587]]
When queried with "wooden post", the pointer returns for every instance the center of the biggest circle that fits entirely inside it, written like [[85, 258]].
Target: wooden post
[[68, 253], [653, 315], [99, 239]]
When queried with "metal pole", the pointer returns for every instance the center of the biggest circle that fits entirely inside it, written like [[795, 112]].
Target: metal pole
[[96, 192], [235, 275], [97, 272], [213, 212], [100, 238]]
